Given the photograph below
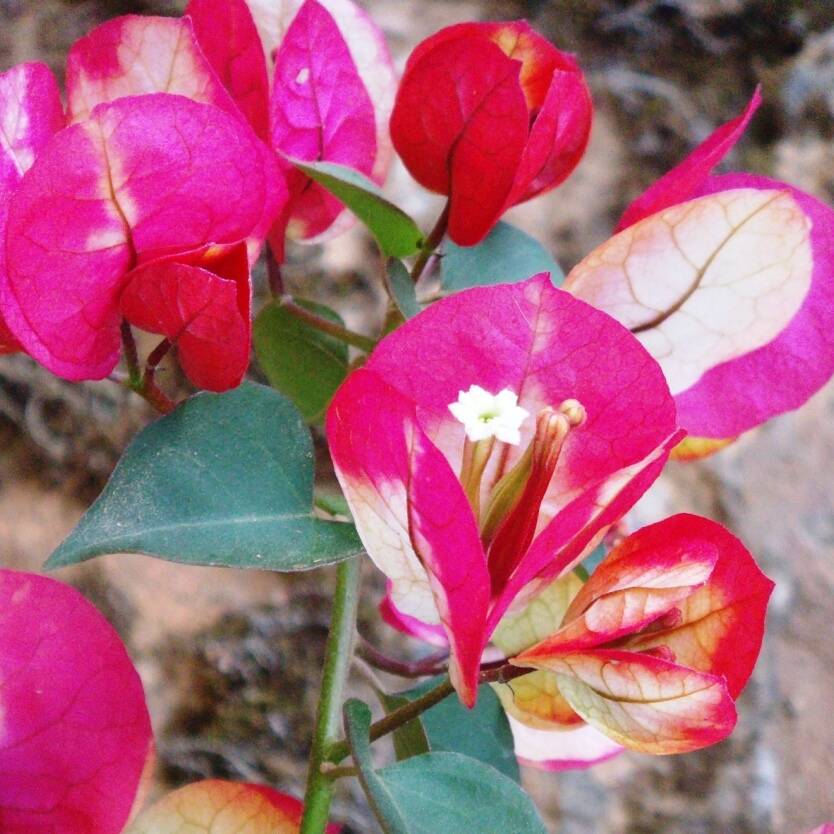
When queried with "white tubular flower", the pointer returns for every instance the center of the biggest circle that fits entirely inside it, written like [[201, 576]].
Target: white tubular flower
[[489, 415]]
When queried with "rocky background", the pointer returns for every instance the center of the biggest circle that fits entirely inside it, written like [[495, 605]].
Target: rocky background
[[230, 660]]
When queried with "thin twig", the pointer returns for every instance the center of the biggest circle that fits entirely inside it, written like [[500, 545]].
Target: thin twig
[[349, 337], [435, 664], [431, 243]]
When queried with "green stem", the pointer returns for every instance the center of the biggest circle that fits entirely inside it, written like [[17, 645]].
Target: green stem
[[336, 664], [349, 337], [413, 709], [430, 244], [134, 374]]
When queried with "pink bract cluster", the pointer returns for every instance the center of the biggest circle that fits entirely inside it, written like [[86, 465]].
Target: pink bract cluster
[[149, 197], [654, 649]]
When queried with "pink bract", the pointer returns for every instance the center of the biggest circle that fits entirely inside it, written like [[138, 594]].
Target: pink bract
[[569, 749], [135, 55], [227, 35], [784, 373], [685, 180], [76, 734], [398, 464], [319, 110], [332, 91], [30, 114]]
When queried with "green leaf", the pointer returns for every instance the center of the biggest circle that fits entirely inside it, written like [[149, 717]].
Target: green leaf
[[226, 479], [438, 792], [357, 718], [395, 232], [409, 739], [401, 288], [506, 256], [301, 362], [454, 794], [482, 733]]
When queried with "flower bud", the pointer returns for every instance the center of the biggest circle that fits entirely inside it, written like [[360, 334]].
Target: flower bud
[[490, 114]]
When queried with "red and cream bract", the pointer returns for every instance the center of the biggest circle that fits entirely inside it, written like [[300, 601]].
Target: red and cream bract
[[490, 114], [729, 283], [75, 735], [602, 422], [217, 807], [652, 650]]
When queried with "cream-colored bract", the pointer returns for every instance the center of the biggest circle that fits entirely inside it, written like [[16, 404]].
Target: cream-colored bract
[[154, 55], [487, 415], [705, 281]]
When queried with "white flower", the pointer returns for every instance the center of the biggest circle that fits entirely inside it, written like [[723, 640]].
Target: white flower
[[489, 415]]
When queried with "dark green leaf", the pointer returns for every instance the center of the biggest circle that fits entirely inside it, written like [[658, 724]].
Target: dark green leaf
[[226, 479], [396, 233], [401, 288], [357, 726], [409, 739], [438, 792], [453, 794], [301, 362], [482, 732], [506, 256]]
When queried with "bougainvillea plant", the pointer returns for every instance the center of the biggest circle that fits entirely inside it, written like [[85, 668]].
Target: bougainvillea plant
[[489, 438]]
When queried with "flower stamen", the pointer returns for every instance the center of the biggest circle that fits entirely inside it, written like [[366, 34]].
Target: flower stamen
[[513, 513]]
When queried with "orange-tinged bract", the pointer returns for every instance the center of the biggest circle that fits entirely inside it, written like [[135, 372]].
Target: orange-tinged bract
[[217, 807], [655, 647]]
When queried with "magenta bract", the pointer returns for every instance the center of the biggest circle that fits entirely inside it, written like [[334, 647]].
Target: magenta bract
[[332, 90], [75, 734], [144, 176]]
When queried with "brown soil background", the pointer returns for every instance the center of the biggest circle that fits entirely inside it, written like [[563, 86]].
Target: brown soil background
[[230, 659]]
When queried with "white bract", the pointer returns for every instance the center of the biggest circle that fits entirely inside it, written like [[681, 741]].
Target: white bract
[[489, 415]]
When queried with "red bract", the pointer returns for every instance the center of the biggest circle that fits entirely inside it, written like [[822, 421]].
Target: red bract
[[144, 176], [461, 553], [332, 91], [729, 282], [490, 114], [653, 649], [75, 730], [201, 302], [217, 807]]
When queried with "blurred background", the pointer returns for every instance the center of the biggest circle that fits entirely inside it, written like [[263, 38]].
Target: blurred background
[[231, 660]]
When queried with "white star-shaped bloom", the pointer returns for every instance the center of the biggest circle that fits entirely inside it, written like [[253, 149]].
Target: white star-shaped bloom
[[489, 415]]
